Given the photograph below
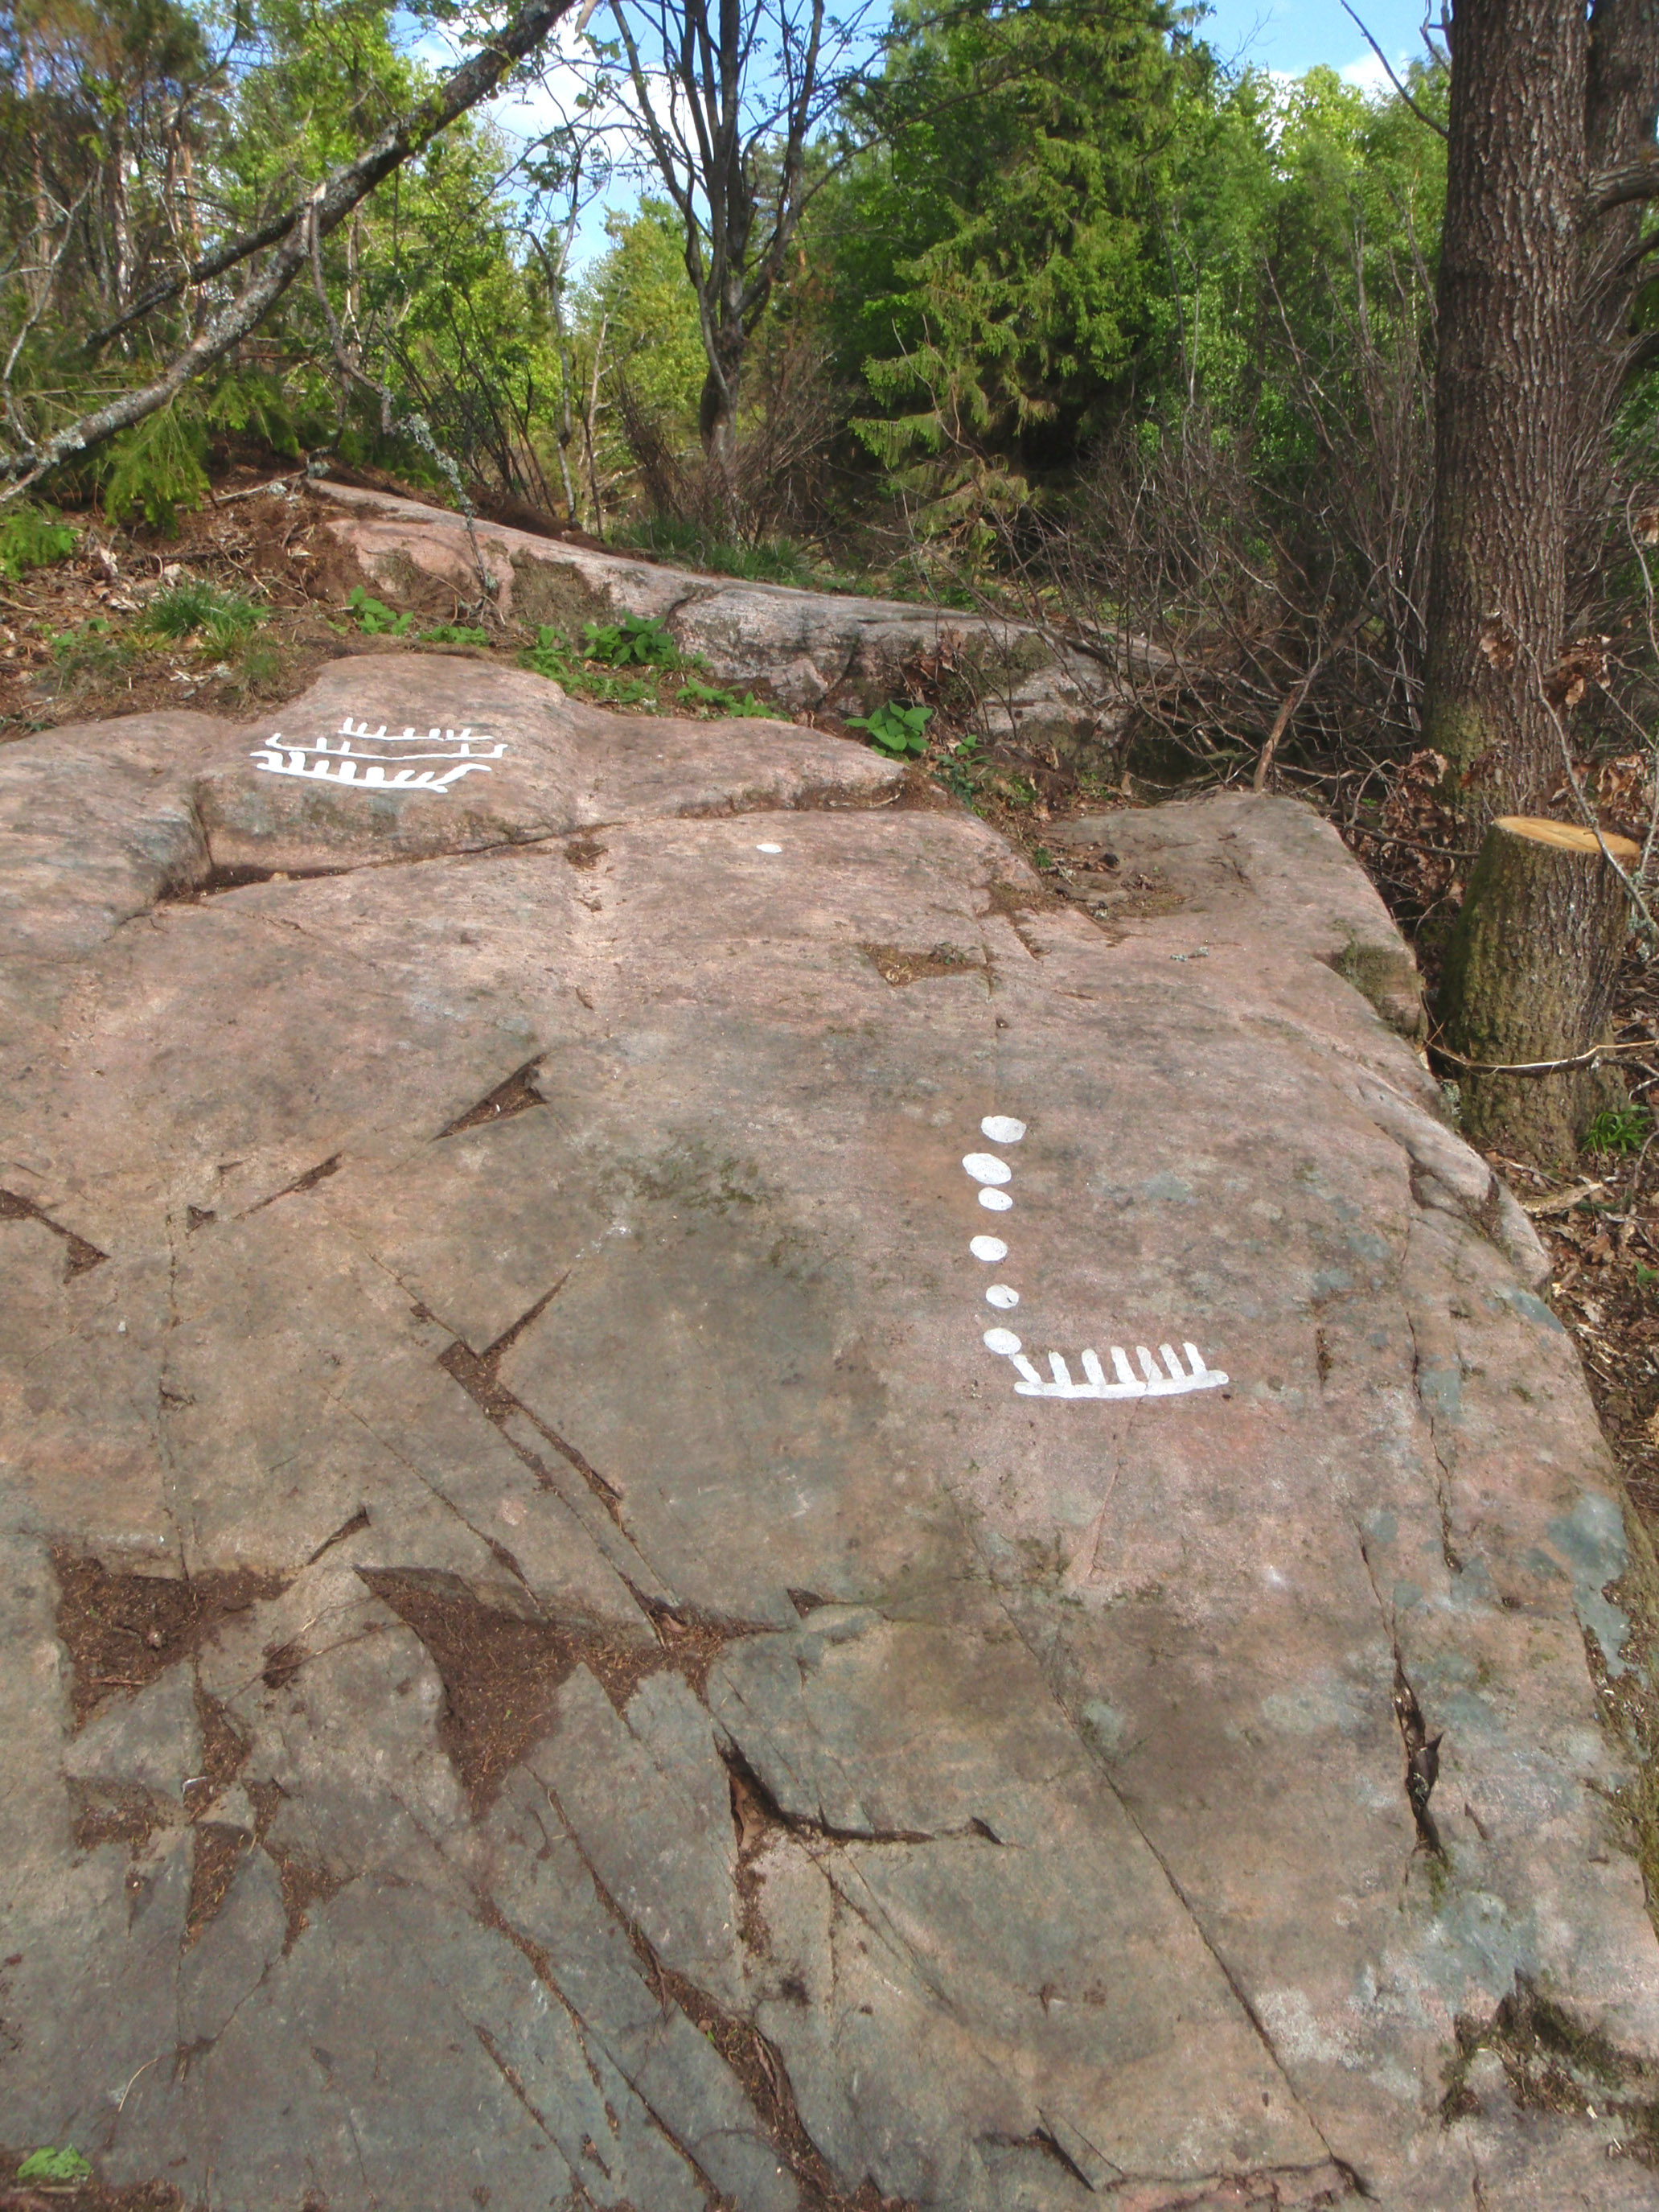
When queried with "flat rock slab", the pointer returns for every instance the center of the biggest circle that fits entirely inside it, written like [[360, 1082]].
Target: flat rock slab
[[704, 1507]]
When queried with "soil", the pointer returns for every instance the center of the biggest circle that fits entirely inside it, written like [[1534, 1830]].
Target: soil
[[90, 2196], [501, 1671], [122, 1630]]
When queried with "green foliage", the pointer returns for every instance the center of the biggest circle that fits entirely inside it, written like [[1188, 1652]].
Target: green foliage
[[632, 642], [32, 538], [50, 2166], [454, 633], [92, 651], [1619, 1130], [180, 610], [248, 404], [769, 561], [722, 701], [375, 618], [157, 468], [550, 656], [895, 729]]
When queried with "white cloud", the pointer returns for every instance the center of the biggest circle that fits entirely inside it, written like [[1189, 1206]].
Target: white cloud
[[1369, 75]]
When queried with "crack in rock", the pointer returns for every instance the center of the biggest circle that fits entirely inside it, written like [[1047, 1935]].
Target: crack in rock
[[80, 1256]]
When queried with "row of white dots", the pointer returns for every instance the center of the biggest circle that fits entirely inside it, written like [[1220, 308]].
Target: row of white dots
[[991, 1174]]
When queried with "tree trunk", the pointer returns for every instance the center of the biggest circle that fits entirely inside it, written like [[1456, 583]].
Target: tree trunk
[[1529, 976], [1505, 414]]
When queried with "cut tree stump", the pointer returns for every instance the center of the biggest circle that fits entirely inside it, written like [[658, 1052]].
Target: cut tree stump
[[1529, 976]]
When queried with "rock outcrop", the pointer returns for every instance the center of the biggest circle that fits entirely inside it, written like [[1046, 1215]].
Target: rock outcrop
[[810, 648], [604, 1606]]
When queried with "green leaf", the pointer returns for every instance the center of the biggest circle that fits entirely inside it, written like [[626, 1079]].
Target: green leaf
[[894, 729], [54, 2165]]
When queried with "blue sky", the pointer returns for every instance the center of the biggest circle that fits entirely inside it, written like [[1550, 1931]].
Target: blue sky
[[1292, 35]]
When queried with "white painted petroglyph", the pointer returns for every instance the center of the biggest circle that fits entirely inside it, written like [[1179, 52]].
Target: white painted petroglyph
[[370, 760], [768, 848], [1172, 1380], [986, 1167]]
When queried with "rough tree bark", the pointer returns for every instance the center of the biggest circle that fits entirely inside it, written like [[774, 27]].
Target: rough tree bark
[[1504, 419], [1528, 977], [1551, 156]]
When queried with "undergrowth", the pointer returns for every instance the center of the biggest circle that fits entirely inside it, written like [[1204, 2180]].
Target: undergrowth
[[33, 537]]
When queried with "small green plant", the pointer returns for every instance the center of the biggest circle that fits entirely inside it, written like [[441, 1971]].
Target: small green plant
[[1646, 1276], [181, 609], [961, 770], [375, 618], [454, 633], [92, 652], [49, 2165], [895, 729], [1620, 1130], [633, 642], [549, 656], [31, 538], [722, 701]]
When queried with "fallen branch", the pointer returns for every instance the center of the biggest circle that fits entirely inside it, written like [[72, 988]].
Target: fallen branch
[[327, 207]]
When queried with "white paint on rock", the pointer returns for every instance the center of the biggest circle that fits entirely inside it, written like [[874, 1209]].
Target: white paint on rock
[[1000, 1294], [1002, 1128], [995, 1201], [1172, 1381], [986, 1167], [989, 1248], [369, 760]]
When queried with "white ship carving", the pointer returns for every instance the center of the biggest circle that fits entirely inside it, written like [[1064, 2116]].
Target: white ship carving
[[372, 760]]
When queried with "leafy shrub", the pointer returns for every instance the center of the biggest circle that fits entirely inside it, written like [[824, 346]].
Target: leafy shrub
[[50, 2166], [894, 729], [375, 618], [633, 642], [1620, 1130], [454, 633], [247, 403], [32, 538], [157, 468]]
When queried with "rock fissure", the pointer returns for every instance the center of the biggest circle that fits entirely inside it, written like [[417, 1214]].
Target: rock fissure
[[80, 1256], [749, 2054]]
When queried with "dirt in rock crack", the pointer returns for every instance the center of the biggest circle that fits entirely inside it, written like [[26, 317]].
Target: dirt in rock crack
[[501, 1671], [122, 1630]]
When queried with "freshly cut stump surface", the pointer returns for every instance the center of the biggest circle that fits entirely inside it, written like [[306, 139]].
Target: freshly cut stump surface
[[703, 1507]]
